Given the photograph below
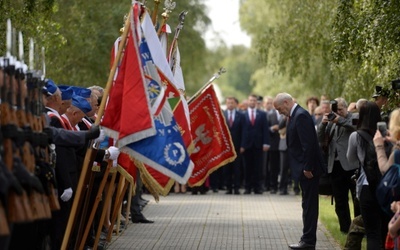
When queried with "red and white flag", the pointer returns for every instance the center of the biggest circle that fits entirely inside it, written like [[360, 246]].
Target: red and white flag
[[175, 98], [213, 145], [128, 115]]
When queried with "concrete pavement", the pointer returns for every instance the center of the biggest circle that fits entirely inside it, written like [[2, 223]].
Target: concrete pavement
[[220, 221]]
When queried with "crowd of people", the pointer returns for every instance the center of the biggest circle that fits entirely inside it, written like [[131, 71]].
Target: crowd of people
[[270, 160]]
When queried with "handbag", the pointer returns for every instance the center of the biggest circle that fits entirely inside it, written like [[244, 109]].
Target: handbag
[[325, 185]]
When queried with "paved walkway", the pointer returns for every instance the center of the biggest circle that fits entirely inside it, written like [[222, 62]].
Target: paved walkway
[[220, 221]]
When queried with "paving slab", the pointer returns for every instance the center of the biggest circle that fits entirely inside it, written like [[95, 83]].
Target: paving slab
[[220, 221]]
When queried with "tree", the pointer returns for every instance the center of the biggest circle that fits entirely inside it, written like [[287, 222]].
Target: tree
[[293, 39], [78, 36]]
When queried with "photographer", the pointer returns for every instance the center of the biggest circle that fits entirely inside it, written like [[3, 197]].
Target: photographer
[[334, 132]]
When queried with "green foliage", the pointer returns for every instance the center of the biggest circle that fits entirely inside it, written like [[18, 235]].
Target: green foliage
[[293, 40], [240, 63], [366, 38], [78, 36], [340, 48]]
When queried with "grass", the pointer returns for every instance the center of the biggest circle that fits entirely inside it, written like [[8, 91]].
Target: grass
[[328, 217]]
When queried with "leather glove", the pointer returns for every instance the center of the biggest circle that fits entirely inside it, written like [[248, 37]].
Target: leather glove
[[92, 133], [101, 137], [114, 153], [67, 194]]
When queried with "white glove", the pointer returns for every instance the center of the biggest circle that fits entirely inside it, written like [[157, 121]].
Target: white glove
[[101, 137], [115, 163], [67, 194], [114, 153]]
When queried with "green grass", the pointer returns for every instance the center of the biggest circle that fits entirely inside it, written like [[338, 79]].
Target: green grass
[[328, 217]]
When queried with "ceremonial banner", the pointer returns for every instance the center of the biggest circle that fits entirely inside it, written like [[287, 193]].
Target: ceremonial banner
[[155, 181], [127, 163], [165, 30], [128, 115], [175, 62], [172, 94], [166, 151], [213, 145]]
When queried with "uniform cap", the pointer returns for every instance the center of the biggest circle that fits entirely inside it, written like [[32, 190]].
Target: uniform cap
[[49, 88], [66, 92], [83, 92], [81, 103]]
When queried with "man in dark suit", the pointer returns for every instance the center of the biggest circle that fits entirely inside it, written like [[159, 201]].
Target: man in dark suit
[[234, 120], [255, 140], [273, 163], [304, 154]]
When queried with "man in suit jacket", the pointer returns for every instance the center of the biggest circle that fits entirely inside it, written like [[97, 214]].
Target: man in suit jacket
[[339, 168], [234, 120], [255, 140], [273, 163], [304, 154]]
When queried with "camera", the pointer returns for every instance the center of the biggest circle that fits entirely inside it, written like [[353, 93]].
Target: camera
[[334, 109], [381, 126], [334, 106], [396, 84], [331, 116]]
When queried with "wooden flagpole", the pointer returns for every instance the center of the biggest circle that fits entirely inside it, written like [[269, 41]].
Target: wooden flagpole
[[89, 152], [215, 76]]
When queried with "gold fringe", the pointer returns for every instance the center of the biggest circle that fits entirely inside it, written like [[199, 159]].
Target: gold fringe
[[151, 184]]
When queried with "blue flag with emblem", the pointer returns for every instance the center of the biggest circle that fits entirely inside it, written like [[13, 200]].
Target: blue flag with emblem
[[165, 151]]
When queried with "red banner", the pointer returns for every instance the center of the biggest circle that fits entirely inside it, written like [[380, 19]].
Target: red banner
[[127, 116], [213, 145]]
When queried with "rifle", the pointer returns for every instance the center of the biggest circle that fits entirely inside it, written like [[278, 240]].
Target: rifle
[[44, 149], [18, 205], [4, 184], [26, 150]]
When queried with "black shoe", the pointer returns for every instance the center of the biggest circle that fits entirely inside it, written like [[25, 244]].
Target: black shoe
[[229, 192], [142, 220], [258, 192], [302, 245], [215, 190], [296, 192], [273, 191], [237, 191], [247, 191], [284, 192]]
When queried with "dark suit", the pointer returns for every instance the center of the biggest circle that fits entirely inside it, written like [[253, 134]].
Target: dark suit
[[273, 163], [67, 177], [232, 169], [304, 154], [253, 139]]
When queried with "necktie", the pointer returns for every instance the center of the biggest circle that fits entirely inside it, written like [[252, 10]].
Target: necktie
[[252, 117], [230, 119]]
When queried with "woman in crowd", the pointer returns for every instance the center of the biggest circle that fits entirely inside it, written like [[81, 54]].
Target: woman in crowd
[[384, 162], [371, 212]]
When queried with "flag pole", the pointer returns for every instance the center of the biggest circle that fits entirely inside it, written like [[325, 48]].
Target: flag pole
[[90, 149], [155, 11], [174, 42], [168, 7], [215, 76]]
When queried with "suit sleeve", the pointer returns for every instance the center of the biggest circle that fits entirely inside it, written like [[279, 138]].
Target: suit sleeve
[[266, 131], [63, 137]]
